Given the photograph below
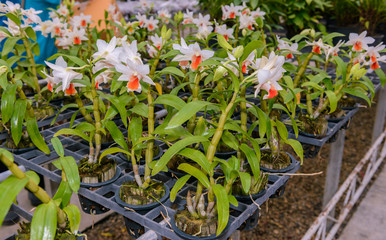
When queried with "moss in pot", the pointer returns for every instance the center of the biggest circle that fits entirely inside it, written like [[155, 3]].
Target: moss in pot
[[96, 173], [274, 161], [131, 194], [313, 126]]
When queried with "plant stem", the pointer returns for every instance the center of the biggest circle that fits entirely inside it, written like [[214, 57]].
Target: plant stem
[[33, 66], [32, 186], [86, 115], [264, 42], [196, 89], [309, 104], [302, 69], [150, 143], [97, 117]]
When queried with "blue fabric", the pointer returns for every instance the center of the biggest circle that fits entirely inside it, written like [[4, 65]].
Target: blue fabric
[[46, 44]]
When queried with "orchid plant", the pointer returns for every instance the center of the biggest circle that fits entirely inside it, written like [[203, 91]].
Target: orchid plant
[[55, 217]]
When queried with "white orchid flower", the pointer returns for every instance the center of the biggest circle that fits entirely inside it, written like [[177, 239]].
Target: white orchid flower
[[134, 73], [65, 75], [269, 72], [227, 33], [108, 51], [359, 42], [191, 53]]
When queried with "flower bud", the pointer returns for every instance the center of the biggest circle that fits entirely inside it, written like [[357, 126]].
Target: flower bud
[[3, 69], [238, 52], [244, 32], [219, 73]]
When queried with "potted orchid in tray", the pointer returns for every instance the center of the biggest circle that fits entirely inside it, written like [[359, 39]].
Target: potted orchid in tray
[[325, 91], [98, 118], [54, 218], [19, 71]]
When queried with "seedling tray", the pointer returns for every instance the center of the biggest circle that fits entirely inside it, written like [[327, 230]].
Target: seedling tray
[[152, 219]]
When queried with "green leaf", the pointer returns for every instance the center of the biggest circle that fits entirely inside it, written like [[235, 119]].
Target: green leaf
[[14, 18], [341, 67], [170, 100], [73, 215], [333, 100], [358, 93], [222, 203], [112, 151], [331, 36], [70, 168], [245, 179], [253, 160], [281, 128], [33, 176], [43, 225], [64, 193], [57, 146], [223, 42], [186, 113], [17, 120], [141, 109], [313, 85], [230, 140], [233, 200], [116, 134], [75, 132], [6, 154], [177, 186], [381, 75], [74, 59], [8, 103], [262, 122], [9, 45], [199, 130], [195, 172], [9, 189], [297, 147], [36, 137], [172, 70], [31, 33], [173, 150], [135, 129], [85, 127], [196, 156], [251, 46]]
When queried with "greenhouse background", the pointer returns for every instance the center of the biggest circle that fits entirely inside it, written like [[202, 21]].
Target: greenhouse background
[[155, 119]]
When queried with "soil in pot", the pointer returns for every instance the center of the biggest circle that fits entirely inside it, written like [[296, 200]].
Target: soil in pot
[[24, 143], [317, 127], [347, 102], [198, 227], [268, 160], [24, 232], [131, 194], [98, 172], [43, 112]]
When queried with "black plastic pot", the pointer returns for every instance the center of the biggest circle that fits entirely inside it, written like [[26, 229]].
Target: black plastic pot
[[225, 155], [141, 208], [142, 160], [91, 207], [247, 198], [283, 170], [184, 235], [251, 222], [18, 151]]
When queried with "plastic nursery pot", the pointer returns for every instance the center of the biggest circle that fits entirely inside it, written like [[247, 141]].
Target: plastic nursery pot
[[184, 235], [222, 155], [18, 151], [283, 170], [142, 160], [91, 207], [141, 208], [247, 198]]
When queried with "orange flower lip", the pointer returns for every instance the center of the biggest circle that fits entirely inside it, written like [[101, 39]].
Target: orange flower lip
[[70, 90], [196, 60], [133, 83]]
